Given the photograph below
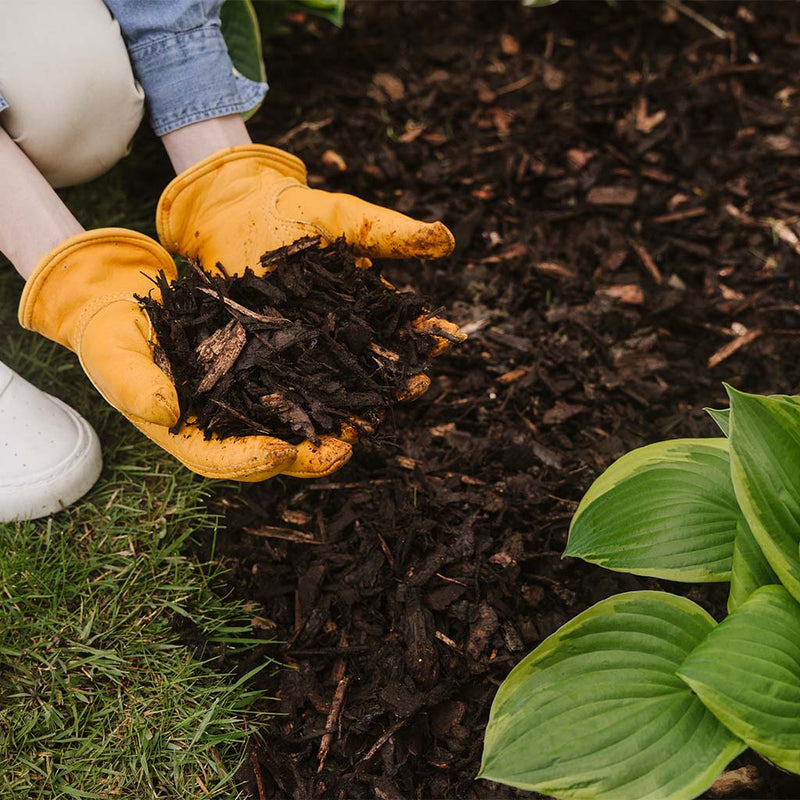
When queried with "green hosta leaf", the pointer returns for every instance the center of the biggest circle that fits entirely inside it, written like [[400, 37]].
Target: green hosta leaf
[[331, 10], [765, 468], [667, 510], [721, 416], [747, 671], [750, 568], [596, 711], [243, 38], [272, 14]]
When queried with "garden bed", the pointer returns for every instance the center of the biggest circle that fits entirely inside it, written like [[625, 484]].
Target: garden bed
[[624, 188]]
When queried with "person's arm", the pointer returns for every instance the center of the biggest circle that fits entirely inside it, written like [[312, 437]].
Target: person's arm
[[181, 60], [188, 145], [33, 218]]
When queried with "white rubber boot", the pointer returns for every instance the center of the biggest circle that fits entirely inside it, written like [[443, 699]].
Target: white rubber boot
[[49, 454]]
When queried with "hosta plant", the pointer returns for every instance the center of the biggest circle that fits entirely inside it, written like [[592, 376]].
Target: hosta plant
[[645, 695]]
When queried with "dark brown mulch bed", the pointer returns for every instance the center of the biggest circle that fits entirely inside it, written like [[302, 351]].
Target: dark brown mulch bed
[[624, 187]]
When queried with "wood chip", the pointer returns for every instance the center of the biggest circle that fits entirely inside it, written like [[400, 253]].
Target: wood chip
[[390, 85], [648, 262], [270, 319], [220, 351], [389, 355], [331, 722], [727, 350], [511, 376], [628, 293], [447, 640], [552, 78], [554, 270], [736, 782], [482, 630], [561, 412], [509, 44], [296, 516], [611, 196], [290, 413], [647, 123], [162, 362], [330, 158], [578, 159], [289, 534], [547, 456], [786, 235], [677, 216]]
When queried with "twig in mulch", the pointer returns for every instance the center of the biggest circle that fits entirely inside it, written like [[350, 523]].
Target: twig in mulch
[[289, 534], [727, 350], [381, 741], [647, 261], [338, 674], [331, 722], [699, 19], [262, 792]]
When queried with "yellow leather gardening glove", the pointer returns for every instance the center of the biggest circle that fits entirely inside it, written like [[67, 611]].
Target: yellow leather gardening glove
[[81, 295], [240, 202], [237, 204]]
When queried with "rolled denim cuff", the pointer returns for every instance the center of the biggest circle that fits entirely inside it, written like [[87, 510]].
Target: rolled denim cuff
[[188, 77]]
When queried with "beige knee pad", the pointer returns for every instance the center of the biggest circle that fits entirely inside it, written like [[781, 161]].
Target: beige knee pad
[[73, 103]]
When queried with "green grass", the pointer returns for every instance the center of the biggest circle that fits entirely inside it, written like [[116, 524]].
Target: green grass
[[100, 697]]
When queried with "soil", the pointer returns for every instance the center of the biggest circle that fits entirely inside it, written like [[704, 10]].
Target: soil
[[624, 188], [316, 343]]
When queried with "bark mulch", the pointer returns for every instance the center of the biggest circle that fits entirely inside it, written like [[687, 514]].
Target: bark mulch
[[316, 344], [624, 187]]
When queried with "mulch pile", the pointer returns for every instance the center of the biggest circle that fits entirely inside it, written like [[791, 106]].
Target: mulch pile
[[624, 187], [317, 343]]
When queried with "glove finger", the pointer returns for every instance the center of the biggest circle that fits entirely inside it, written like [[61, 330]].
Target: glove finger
[[316, 461], [451, 333], [116, 354], [239, 458], [351, 431], [415, 387], [369, 229]]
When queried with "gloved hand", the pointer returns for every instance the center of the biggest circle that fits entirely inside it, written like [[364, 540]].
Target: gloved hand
[[81, 295], [235, 205], [240, 202]]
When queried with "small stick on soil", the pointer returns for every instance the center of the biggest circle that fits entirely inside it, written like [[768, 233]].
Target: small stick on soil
[[699, 19], [262, 793], [382, 739], [727, 350], [647, 262], [331, 723], [289, 534]]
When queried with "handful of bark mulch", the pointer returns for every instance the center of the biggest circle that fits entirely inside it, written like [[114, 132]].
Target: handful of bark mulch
[[316, 342]]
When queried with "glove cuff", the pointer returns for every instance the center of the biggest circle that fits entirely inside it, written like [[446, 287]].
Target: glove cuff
[[249, 158], [85, 273]]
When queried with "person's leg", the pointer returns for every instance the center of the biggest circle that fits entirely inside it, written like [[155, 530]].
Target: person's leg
[[73, 103], [49, 455], [73, 107]]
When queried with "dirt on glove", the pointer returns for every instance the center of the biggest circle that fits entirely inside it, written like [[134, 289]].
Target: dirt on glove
[[314, 343]]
